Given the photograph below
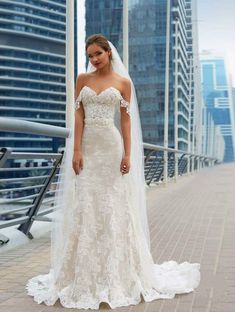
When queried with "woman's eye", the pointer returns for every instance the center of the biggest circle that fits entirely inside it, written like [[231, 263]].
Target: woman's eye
[[98, 53]]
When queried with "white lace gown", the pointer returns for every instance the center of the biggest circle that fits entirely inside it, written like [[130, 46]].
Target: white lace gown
[[108, 259]]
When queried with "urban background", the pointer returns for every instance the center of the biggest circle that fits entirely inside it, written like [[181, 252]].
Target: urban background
[[32, 72]]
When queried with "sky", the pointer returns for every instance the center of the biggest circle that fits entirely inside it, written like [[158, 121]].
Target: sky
[[216, 30]]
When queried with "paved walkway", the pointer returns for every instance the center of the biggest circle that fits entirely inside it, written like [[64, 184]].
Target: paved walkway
[[193, 220]]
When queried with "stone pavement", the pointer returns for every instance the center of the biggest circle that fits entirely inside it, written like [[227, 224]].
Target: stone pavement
[[191, 220]]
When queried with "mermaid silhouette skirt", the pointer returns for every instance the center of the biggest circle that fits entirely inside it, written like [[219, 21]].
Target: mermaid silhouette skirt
[[107, 258]]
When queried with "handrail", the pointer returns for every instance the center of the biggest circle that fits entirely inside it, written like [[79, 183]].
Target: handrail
[[24, 126], [33, 195]]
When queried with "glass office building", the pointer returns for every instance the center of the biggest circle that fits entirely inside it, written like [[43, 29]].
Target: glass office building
[[105, 17], [233, 105], [147, 60], [217, 98], [32, 68], [32, 58]]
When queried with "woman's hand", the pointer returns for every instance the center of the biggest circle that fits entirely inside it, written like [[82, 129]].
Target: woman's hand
[[77, 161], [125, 165]]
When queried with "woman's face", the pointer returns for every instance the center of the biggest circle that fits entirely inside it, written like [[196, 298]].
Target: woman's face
[[97, 56]]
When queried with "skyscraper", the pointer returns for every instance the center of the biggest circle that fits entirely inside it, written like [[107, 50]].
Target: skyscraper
[[217, 97], [32, 68], [147, 62], [105, 17]]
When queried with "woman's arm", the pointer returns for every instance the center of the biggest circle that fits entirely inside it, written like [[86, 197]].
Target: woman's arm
[[78, 128], [79, 115], [126, 128]]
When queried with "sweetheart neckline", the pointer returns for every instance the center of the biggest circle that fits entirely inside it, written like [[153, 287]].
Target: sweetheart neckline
[[101, 91]]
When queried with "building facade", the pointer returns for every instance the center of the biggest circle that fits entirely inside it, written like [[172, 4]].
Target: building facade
[[218, 105], [32, 50], [32, 69], [147, 62], [105, 17]]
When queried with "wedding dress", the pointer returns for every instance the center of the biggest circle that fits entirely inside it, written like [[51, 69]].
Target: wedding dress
[[106, 257]]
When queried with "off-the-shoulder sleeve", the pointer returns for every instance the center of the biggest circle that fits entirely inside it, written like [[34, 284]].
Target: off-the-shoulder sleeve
[[77, 101], [124, 103]]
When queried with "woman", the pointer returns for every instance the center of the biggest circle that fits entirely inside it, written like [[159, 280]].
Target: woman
[[99, 82], [100, 236]]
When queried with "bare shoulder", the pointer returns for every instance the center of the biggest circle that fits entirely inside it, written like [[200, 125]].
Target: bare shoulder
[[126, 83], [122, 79], [81, 78], [126, 88]]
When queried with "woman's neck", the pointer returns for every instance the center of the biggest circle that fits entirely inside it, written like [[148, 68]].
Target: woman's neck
[[105, 71]]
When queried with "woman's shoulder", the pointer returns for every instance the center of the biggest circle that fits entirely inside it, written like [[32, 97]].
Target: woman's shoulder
[[124, 86], [126, 82], [83, 76], [123, 81]]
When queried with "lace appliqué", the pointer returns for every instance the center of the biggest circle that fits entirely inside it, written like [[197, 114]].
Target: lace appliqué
[[100, 253], [77, 102], [124, 103]]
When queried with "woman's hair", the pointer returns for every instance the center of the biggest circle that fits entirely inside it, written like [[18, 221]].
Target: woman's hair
[[100, 40]]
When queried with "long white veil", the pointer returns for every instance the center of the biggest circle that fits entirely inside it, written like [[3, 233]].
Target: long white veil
[[61, 234]]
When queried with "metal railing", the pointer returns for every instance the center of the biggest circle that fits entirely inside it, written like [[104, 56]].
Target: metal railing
[[184, 163], [27, 190]]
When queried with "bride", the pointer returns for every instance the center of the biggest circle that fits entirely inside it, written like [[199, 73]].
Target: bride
[[100, 246]]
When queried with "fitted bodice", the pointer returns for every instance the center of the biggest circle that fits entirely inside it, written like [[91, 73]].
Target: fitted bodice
[[100, 108]]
